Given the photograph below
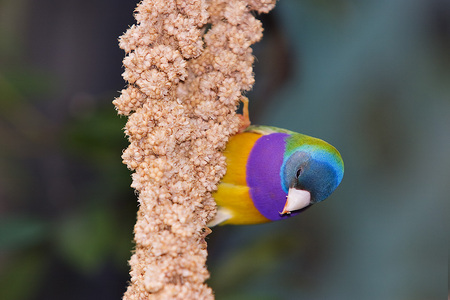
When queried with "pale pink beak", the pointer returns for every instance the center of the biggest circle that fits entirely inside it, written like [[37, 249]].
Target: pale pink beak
[[296, 199]]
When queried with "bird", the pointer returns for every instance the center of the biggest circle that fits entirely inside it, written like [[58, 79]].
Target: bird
[[273, 174]]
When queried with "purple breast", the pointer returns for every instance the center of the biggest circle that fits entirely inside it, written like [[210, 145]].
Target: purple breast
[[263, 175]]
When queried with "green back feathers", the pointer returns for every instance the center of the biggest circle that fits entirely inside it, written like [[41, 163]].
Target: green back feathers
[[317, 148], [298, 141]]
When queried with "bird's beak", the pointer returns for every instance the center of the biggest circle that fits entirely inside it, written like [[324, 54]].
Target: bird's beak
[[296, 199]]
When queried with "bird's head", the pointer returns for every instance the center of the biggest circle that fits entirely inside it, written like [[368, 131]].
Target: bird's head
[[311, 171]]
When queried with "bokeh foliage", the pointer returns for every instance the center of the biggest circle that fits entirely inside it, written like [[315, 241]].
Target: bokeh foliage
[[370, 77]]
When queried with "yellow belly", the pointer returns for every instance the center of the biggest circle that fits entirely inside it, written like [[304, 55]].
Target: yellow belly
[[233, 194]]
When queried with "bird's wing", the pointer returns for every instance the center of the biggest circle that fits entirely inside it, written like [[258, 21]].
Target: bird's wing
[[265, 130]]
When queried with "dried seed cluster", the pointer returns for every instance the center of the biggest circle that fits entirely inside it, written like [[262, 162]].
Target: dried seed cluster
[[187, 64]]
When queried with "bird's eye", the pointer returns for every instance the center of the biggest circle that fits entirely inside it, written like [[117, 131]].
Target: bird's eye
[[299, 171]]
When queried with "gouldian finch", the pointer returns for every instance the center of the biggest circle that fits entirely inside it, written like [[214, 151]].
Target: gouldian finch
[[273, 174]]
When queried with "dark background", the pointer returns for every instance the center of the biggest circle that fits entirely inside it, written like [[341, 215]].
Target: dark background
[[370, 77]]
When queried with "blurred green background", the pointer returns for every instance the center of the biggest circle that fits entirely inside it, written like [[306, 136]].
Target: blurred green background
[[370, 77]]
